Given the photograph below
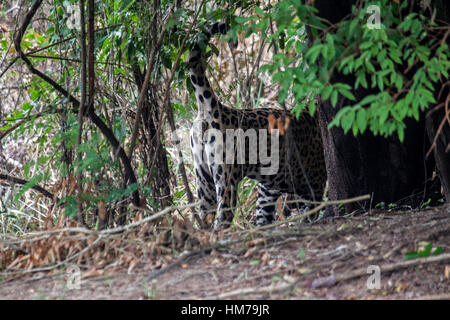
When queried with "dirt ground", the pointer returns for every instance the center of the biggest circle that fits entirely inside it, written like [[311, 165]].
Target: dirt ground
[[325, 260]]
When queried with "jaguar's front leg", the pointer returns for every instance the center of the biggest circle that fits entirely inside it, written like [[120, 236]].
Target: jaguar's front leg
[[226, 206], [208, 200], [226, 191], [206, 190]]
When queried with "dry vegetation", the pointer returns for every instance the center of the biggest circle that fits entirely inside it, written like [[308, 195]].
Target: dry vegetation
[[162, 255], [326, 260]]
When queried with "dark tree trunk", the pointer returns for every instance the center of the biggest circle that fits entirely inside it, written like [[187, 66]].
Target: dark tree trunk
[[368, 164], [441, 151]]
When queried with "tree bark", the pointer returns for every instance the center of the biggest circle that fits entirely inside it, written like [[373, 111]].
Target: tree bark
[[441, 151], [383, 167]]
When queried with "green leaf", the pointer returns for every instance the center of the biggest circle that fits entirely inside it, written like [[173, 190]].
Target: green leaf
[[369, 66], [71, 208], [365, 45], [347, 94], [241, 20], [438, 251], [368, 99], [312, 107], [27, 106], [313, 53], [300, 253], [30, 184], [347, 120], [118, 194], [326, 92], [334, 98], [401, 134], [380, 83], [353, 26], [361, 119], [384, 113], [399, 82], [34, 94]]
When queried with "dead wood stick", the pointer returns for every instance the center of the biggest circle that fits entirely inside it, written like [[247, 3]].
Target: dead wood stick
[[264, 290], [395, 266], [334, 279]]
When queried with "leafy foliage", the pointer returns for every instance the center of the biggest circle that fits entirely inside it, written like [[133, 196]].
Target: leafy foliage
[[396, 73], [126, 33], [396, 68]]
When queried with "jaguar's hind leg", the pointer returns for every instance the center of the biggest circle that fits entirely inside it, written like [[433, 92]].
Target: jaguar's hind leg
[[266, 205], [292, 203]]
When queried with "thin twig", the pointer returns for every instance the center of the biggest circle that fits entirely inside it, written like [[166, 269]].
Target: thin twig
[[18, 124], [143, 93]]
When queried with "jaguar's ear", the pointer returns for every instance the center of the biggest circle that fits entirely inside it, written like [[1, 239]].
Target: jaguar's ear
[[281, 123], [271, 119]]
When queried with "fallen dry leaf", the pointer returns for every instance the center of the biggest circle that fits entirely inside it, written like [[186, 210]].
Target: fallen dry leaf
[[178, 231], [265, 258], [255, 242], [250, 252], [304, 270], [401, 286], [133, 264], [92, 273], [343, 227]]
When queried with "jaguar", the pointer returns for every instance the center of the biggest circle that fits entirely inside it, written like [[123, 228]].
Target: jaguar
[[299, 160]]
